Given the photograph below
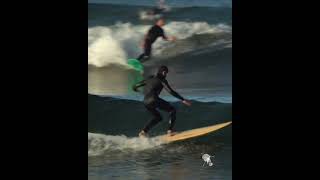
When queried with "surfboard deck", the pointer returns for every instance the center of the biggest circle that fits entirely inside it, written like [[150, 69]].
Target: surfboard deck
[[135, 64], [193, 132]]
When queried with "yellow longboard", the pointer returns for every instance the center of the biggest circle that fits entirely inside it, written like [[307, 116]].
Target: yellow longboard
[[193, 133]]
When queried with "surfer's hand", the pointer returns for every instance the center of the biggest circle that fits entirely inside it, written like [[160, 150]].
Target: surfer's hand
[[135, 88], [172, 38], [186, 102]]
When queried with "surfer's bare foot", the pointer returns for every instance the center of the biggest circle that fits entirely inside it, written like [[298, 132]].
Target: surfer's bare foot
[[171, 133], [142, 134]]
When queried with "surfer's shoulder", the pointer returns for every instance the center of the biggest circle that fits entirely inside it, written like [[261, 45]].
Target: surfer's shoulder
[[163, 80]]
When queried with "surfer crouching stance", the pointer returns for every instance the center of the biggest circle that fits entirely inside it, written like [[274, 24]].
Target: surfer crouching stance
[[152, 35], [153, 87]]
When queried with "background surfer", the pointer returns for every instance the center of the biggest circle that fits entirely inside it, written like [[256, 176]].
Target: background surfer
[[152, 35]]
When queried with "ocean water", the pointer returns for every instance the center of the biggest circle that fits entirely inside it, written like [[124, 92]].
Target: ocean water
[[115, 151]]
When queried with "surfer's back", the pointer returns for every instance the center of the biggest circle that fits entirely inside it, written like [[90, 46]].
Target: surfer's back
[[153, 87]]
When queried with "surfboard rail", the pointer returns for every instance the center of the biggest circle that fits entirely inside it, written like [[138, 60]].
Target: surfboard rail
[[194, 132]]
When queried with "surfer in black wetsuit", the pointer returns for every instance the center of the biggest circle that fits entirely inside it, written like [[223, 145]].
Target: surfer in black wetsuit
[[152, 88], [152, 35]]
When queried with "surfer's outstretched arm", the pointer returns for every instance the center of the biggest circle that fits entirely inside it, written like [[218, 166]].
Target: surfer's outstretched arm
[[168, 38], [171, 91], [174, 93], [163, 35]]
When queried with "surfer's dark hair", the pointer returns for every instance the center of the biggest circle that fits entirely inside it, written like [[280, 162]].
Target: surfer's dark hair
[[162, 69]]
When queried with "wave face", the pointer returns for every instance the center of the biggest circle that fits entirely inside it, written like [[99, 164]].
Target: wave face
[[115, 44]]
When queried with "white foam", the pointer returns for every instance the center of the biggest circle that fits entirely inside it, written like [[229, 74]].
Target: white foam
[[99, 143], [103, 49], [117, 43]]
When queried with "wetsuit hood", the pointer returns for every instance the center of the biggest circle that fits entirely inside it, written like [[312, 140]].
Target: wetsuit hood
[[161, 70]]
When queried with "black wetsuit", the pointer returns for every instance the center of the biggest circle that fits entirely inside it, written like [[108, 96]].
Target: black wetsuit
[[153, 87], [152, 35]]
